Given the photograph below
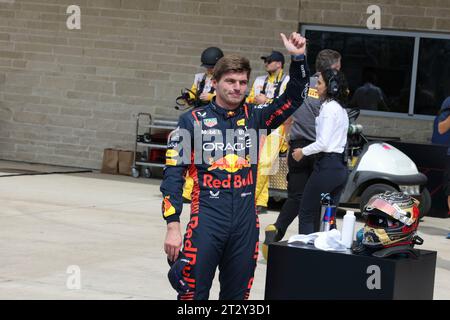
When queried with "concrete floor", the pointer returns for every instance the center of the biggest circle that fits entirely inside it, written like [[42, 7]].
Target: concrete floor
[[110, 228]]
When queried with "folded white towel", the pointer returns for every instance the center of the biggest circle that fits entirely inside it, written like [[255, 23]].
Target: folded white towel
[[326, 240]]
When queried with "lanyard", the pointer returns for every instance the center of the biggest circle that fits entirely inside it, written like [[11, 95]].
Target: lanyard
[[277, 85]]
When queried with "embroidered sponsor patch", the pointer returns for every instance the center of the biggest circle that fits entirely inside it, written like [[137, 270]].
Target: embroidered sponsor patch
[[211, 131], [171, 162], [171, 153], [214, 195], [201, 114], [241, 122], [168, 208], [210, 122]]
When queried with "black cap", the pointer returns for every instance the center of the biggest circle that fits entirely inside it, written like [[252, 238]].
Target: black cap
[[274, 56], [210, 56], [175, 274]]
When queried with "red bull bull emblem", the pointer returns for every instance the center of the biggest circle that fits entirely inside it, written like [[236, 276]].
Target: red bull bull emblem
[[230, 163], [168, 208]]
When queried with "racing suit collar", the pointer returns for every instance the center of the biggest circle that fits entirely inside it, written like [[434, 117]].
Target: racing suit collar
[[225, 113]]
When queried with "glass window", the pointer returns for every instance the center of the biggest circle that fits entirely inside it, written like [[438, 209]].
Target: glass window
[[433, 75], [378, 67]]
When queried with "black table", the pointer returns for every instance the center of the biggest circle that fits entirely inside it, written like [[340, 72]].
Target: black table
[[298, 271]]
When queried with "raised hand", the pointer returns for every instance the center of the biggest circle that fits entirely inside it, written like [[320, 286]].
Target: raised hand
[[296, 44]]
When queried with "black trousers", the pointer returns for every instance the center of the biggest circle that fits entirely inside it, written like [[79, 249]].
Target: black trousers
[[329, 176], [299, 173]]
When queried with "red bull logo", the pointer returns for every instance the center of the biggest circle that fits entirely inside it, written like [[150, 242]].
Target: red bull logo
[[236, 181], [168, 208], [230, 163]]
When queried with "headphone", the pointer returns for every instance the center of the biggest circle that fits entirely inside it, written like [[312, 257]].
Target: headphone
[[333, 85]]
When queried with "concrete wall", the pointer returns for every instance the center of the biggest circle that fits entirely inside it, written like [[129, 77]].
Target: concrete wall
[[65, 95], [423, 15]]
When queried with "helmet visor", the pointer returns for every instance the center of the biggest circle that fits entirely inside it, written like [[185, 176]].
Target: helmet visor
[[382, 221], [392, 210]]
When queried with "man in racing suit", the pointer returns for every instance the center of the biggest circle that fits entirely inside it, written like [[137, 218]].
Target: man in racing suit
[[223, 229]]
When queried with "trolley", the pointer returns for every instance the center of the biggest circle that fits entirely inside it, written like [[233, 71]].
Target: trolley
[[150, 144]]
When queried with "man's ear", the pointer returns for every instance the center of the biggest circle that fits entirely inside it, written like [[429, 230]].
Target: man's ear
[[214, 83]]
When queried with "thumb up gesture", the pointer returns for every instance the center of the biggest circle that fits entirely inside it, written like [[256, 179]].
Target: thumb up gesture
[[295, 44]]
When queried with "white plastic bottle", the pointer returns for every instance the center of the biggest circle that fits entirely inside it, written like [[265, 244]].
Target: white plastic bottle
[[348, 229]]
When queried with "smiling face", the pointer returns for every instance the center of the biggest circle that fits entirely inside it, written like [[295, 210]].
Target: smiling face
[[230, 89]]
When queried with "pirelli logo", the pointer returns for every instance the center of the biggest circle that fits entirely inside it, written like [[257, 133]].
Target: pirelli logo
[[313, 93]]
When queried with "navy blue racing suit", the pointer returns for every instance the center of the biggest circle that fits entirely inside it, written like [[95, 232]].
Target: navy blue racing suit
[[223, 230]]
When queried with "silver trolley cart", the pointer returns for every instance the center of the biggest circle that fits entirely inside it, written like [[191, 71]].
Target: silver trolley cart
[[146, 127]]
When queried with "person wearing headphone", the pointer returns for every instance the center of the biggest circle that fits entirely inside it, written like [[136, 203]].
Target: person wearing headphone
[[330, 169], [202, 93], [301, 133]]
